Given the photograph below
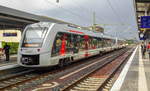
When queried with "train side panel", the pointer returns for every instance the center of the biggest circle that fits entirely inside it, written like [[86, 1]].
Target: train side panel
[[60, 45]]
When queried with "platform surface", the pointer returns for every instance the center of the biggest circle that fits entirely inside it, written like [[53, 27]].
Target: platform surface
[[135, 76], [12, 61]]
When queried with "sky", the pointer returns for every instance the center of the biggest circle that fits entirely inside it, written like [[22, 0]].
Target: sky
[[117, 17]]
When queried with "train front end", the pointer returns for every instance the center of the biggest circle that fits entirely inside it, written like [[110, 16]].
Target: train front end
[[32, 51]]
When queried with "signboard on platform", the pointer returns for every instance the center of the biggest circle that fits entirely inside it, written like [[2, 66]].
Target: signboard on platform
[[9, 34], [145, 21]]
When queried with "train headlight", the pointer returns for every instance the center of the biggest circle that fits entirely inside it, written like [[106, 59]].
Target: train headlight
[[24, 60]]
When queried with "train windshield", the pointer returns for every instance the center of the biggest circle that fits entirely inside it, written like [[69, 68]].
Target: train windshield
[[34, 36]]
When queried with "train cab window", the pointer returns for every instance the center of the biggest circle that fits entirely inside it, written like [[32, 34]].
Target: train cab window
[[34, 36]]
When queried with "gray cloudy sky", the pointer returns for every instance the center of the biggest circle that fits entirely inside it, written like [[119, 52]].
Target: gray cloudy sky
[[117, 15]]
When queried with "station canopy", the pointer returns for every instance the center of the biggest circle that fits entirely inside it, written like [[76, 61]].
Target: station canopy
[[142, 9], [143, 17], [15, 19]]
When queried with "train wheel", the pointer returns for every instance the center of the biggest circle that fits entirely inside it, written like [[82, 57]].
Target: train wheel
[[100, 53], [71, 59], [67, 61], [61, 63]]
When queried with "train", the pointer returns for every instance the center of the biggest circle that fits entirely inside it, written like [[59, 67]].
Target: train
[[45, 44]]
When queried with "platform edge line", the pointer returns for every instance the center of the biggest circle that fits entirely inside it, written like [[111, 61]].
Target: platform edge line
[[118, 83]]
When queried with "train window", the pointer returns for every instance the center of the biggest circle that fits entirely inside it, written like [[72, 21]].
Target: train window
[[76, 43], [95, 42], [73, 43], [69, 44], [82, 43], [102, 42], [108, 42], [99, 42], [63, 44], [34, 36], [114, 41], [105, 43]]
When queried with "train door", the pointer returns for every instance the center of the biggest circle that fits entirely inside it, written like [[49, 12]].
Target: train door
[[63, 44], [86, 39], [57, 44], [66, 45]]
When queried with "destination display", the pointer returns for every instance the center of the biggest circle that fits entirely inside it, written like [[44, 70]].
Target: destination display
[[145, 21]]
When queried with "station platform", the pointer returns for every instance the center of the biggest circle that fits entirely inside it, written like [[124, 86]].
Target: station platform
[[135, 76], [13, 60]]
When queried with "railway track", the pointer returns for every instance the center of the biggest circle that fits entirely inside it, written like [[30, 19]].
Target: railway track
[[100, 79], [15, 79], [69, 78], [26, 80], [5, 72], [12, 82]]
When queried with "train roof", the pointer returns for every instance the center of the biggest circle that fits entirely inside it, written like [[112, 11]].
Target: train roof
[[41, 24], [94, 33], [71, 29]]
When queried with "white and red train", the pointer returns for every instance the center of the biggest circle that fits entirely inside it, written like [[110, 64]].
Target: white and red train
[[47, 44]]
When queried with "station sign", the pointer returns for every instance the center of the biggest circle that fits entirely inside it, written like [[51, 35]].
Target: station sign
[[145, 22], [9, 34]]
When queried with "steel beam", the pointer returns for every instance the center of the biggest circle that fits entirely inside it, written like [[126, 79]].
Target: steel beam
[[143, 1]]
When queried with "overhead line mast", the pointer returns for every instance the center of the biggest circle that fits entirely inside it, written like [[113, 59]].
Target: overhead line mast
[[94, 21]]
